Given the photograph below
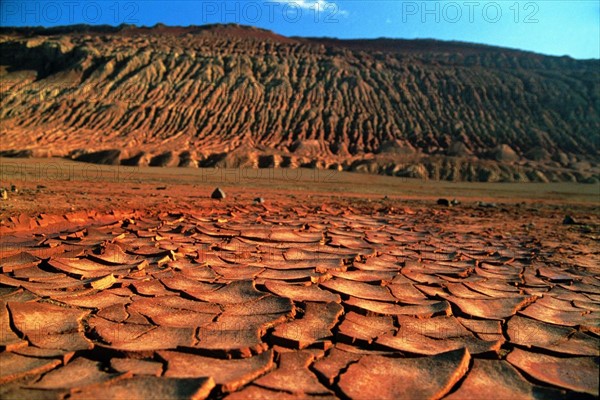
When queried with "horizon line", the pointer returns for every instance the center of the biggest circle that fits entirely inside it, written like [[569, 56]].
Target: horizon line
[[207, 25]]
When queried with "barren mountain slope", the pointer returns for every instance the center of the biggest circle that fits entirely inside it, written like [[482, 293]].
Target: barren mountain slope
[[229, 96]]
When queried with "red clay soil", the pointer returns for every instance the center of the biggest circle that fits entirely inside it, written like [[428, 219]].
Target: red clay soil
[[300, 297]]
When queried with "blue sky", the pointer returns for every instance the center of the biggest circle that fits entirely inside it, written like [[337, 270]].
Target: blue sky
[[547, 26]]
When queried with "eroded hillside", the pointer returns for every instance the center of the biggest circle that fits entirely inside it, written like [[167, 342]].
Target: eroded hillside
[[233, 96]]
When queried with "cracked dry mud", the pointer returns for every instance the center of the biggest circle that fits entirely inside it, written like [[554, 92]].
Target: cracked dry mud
[[342, 299]]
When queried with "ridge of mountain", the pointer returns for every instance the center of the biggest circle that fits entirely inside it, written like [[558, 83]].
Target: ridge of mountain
[[234, 96]]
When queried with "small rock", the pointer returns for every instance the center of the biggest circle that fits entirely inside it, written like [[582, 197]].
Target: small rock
[[486, 205], [161, 188], [259, 200], [569, 220], [40, 187], [13, 188], [218, 194], [448, 203], [4, 194]]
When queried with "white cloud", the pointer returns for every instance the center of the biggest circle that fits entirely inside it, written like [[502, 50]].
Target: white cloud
[[317, 6], [308, 4]]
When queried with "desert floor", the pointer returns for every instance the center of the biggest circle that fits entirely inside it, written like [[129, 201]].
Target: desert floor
[[122, 282]]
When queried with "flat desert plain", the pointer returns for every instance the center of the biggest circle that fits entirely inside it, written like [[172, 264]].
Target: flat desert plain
[[127, 282]]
